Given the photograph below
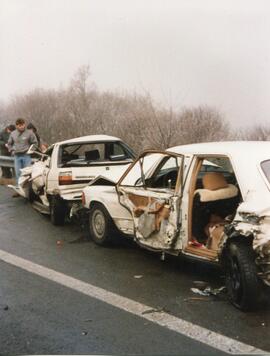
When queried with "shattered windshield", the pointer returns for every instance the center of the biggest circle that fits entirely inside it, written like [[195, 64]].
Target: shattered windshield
[[266, 169]]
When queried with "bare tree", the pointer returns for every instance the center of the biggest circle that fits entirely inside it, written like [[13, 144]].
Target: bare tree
[[80, 109], [255, 133], [202, 124], [3, 117]]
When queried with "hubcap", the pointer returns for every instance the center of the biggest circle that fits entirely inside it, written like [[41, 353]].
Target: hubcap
[[98, 223]]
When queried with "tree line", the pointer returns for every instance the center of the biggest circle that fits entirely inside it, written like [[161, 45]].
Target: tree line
[[81, 109]]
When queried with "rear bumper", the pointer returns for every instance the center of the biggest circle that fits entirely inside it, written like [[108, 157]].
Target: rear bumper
[[69, 194]]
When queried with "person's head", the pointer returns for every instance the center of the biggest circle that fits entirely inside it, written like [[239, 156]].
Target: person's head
[[32, 127], [20, 124], [10, 128]]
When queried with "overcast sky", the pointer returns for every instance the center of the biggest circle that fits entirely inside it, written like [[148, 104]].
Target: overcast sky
[[184, 52]]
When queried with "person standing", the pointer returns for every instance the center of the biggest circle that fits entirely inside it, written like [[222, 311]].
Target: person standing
[[42, 146], [4, 136], [18, 144], [33, 128]]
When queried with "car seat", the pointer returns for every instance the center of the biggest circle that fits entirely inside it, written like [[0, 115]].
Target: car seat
[[212, 204], [92, 155]]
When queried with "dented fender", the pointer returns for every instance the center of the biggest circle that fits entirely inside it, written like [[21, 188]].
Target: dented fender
[[257, 227]]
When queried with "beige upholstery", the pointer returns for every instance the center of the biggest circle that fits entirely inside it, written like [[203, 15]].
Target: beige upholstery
[[214, 181]]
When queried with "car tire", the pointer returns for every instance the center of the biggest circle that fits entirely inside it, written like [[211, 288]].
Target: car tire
[[242, 282], [57, 211], [101, 226]]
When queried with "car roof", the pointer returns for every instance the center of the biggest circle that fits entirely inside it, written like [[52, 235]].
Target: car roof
[[246, 157], [230, 148], [91, 138]]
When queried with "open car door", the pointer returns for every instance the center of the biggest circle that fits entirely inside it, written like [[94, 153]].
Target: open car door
[[154, 199]]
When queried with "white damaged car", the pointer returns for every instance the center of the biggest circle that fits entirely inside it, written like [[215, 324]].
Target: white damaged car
[[210, 201], [54, 182]]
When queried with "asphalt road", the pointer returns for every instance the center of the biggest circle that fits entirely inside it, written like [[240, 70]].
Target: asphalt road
[[39, 316]]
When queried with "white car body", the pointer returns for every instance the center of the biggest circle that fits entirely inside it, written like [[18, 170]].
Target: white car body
[[53, 175], [250, 169]]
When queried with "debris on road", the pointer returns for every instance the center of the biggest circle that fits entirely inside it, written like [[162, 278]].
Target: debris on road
[[138, 276], [155, 310], [206, 292]]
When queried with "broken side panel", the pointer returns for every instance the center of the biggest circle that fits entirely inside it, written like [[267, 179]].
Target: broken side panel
[[153, 198], [155, 216]]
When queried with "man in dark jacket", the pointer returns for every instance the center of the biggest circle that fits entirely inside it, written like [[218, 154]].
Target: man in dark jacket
[[4, 136], [18, 144]]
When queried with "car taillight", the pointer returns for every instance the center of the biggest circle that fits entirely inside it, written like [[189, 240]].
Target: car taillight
[[65, 178], [83, 199]]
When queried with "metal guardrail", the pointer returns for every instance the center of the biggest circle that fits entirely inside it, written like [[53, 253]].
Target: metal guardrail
[[6, 161]]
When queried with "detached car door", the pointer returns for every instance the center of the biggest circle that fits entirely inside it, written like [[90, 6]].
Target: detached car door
[[154, 200]]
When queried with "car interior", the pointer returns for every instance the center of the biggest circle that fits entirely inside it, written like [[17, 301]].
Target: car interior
[[166, 175], [92, 155], [215, 196], [87, 153]]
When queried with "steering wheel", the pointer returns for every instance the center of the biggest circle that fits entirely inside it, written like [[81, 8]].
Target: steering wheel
[[172, 175]]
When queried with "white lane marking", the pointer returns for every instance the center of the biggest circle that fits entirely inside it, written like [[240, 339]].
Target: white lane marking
[[163, 319]]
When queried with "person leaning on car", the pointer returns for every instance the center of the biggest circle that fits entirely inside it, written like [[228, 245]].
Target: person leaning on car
[[18, 144]]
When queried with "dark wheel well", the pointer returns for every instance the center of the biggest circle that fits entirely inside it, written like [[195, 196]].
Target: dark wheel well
[[31, 194], [58, 210]]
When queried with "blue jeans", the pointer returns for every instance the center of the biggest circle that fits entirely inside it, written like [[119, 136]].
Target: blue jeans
[[21, 161]]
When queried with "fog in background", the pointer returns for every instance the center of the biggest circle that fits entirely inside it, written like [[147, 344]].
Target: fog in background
[[184, 53]]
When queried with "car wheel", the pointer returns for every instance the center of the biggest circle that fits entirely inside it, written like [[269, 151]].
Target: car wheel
[[242, 282], [57, 211], [101, 226]]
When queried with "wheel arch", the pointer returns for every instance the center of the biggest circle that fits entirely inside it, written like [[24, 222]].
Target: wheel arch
[[232, 235], [99, 202]]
